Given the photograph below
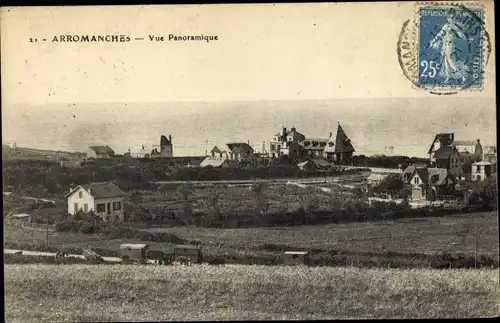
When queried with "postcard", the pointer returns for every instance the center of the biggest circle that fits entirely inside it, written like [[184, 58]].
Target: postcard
[[250, 161]]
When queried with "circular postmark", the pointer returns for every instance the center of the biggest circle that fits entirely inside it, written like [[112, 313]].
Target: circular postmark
[[445, 48]]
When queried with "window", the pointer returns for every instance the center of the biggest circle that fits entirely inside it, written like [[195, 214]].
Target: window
[[80, 194], [76, 207], [85, 207], [117, 205], [416, 180], [101, 207]]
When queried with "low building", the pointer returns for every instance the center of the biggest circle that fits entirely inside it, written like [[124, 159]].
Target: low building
[[440, 180], [103, 199], [482, 170], [134, 251], [215, 162], [100, 152], [375, 179], [295, 258], [143, 153]]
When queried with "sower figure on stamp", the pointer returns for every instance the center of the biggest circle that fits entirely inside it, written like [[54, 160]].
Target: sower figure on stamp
[[444, 42]]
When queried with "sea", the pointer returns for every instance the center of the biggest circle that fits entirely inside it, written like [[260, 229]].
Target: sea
[[390, 126]]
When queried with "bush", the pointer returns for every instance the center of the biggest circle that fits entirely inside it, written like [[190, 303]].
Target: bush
[[116, 232]]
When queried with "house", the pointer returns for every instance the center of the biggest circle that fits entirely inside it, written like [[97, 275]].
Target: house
[[313, 147], [286, 142], [339, 149], [490, 154], [408, 171], [482, 170], [215, 162], [216, 152], [448, 157], [440, 180], [100, 152], [164, 149], [240, 151], [440, 140], [104, 199]]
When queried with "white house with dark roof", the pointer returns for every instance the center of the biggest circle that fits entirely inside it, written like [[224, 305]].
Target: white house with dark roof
[[100, 152], [104, 199], [440, 180], [239, 151]]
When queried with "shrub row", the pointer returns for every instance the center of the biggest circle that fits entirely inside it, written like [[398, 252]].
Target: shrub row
[[116, 232], [23, 259], [380, 212]]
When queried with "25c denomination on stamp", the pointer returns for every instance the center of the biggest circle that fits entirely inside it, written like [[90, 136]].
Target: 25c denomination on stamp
[[445, 49]]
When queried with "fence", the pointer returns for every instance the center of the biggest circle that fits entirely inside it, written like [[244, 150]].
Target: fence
[[26, 225]]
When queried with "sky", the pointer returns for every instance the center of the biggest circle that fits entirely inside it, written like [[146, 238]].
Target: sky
[[308, 65]]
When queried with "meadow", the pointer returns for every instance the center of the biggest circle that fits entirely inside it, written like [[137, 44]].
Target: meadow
[[453, 234], [461, 241], [94, 293]]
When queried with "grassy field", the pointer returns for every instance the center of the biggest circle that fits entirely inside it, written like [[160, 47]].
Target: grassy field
[[88, 293], [453, 234]]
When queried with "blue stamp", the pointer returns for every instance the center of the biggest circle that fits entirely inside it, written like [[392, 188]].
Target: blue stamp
[[450, 46]]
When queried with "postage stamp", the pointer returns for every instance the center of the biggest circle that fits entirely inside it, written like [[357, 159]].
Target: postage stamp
[[446, 48]]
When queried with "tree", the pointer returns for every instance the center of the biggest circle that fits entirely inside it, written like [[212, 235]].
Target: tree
[[261, 204], [183, 192], [393, 182]]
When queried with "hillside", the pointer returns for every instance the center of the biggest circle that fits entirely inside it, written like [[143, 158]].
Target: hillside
[[30, 153]]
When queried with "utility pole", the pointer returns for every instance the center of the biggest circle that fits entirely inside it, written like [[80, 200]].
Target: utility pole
[[475, 245], [47, 233]]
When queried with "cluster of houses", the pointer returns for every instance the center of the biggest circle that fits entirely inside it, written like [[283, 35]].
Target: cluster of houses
[[451, 162], [164, 149], [308, 152]]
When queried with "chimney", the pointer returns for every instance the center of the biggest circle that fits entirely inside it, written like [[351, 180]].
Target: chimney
[[170, 138], [330, 135]]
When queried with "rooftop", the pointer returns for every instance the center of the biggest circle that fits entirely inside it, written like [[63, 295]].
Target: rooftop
[[100, 190], [134, 245], [102, 149]]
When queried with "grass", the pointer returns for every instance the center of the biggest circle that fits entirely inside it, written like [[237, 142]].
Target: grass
[[235, 199], [453, 234], [94, 293]]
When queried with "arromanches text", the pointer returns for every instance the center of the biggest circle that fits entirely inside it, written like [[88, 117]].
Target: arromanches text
[[92, 38]]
